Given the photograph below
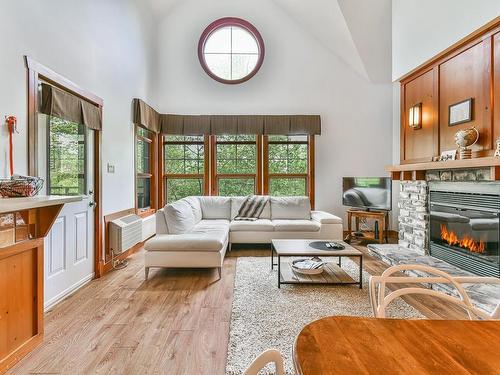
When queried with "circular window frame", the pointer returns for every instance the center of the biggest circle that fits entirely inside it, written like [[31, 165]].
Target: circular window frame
[[228, 22]]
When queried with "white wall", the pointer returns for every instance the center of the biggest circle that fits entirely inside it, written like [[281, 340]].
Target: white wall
[[299, 76], [101, 45], [423, 28]]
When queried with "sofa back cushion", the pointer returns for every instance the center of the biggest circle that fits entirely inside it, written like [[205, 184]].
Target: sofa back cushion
[[215, 207], [180, 217], [290, 208], [236, 203]]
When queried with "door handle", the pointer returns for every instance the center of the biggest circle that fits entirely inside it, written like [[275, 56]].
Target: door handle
[[92, 204]]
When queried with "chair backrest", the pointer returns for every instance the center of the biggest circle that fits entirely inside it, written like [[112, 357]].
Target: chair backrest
[[379, 300], [266, 357]]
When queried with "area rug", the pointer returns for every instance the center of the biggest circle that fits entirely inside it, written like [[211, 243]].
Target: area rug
[[264, 316]]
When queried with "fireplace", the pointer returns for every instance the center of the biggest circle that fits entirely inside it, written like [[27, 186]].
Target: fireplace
[[464, 225]]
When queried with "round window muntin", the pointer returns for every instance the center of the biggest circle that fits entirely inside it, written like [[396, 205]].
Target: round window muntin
[[229, 22]]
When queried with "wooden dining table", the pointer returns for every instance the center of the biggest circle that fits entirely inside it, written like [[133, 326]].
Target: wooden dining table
[[354, 345]]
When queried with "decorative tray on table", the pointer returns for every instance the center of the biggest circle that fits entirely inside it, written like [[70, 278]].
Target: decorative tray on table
[[308, 266]]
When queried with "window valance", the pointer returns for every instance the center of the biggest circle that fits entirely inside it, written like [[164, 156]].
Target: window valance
[[225, 124], [62, 104]]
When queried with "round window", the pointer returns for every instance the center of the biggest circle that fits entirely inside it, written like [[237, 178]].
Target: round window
[[231, 50]]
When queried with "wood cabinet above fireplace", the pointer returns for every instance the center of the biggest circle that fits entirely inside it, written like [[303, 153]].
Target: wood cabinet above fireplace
[[470, 69]]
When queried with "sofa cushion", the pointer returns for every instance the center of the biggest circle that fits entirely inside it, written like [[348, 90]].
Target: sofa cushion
[[195, 205], [236, 203], [290, 208], [187, 242], [260, 225], [296, 225], [215, 207], [179, 216], [216, 224]]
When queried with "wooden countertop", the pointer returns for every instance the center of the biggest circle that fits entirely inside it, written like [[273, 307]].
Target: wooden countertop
[[353, 345], [18, 204]]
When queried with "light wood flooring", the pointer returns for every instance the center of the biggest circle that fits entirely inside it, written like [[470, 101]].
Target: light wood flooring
[[175, 323]]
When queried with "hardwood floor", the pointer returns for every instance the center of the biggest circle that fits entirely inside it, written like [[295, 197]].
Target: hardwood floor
[[176, 323]]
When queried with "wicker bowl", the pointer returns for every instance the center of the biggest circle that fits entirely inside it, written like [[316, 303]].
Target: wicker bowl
[[20, 186]]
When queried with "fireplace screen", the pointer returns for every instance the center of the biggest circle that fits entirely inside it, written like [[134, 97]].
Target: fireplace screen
[[466, 237]]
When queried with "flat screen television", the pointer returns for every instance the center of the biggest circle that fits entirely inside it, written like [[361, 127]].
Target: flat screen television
[[368, 193]]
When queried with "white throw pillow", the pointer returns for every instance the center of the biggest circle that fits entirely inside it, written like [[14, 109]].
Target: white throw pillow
[[195, 205], [290, 208], [179, 216], [216, 207]]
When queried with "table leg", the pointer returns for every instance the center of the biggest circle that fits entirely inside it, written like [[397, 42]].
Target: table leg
[[340, 261], [361, 272], [279, 271], [272, 256]]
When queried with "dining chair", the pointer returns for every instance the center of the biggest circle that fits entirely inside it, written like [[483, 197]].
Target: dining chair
[[380, 300], [266, 357]]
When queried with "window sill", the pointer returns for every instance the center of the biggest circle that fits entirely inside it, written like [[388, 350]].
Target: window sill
[[143, 213]]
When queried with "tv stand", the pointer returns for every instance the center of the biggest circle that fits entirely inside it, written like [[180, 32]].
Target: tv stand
[[381, 224]]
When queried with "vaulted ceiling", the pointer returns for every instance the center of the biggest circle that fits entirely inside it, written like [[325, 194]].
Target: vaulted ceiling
[[357, 31]]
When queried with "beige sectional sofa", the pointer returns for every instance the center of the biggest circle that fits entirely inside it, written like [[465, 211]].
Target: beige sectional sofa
[[195, 232]]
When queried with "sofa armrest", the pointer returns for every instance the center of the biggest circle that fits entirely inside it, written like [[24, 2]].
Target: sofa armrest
[[161, 222], [323, 217]]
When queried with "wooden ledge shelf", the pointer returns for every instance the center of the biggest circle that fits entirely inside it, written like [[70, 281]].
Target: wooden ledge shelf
[[416, 171]]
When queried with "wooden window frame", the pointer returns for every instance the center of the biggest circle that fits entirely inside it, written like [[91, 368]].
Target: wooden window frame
[[309, 175], [165, 176], [214, 176], [152, 175]]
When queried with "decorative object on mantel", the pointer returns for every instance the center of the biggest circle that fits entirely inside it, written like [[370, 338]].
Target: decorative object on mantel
[[448, 155], [436, 158], [415, 120], [460, 112], [20, 186], [497, 151], [464, 139]]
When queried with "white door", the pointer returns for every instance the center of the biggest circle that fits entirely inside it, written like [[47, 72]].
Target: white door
[[68, 166]]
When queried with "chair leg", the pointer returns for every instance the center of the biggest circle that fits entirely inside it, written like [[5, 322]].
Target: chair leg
[[146, 272]]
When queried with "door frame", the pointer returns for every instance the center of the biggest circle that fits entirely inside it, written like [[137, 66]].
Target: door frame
[[35, 73]]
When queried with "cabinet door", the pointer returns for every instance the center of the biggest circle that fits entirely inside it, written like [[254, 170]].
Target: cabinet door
[[420, 144], [462, 77]]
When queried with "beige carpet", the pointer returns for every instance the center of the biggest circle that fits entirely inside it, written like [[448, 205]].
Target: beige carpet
[[264, 316]]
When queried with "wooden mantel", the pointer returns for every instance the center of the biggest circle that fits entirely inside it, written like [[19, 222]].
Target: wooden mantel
[[416, 171]]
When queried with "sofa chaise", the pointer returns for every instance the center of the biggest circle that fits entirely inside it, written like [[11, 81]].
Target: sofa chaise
[[195, 232]]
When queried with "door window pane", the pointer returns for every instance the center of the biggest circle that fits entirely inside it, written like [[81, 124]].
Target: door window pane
[[66, 157], [178, 188]]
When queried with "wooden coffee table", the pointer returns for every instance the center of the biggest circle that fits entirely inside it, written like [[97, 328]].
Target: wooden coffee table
[[332, 274]]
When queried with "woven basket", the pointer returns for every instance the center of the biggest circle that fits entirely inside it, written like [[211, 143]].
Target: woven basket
[[20, 186]]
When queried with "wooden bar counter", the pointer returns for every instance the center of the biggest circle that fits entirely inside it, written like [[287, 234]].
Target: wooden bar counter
[[24, 222]]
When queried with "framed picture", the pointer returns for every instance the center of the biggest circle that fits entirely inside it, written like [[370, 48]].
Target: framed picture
[[459, 113], [448, 155]]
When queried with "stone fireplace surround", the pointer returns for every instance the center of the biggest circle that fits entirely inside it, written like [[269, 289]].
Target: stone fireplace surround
[[413, 221]]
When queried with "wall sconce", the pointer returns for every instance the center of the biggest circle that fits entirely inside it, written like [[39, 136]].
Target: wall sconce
[[415, 120]]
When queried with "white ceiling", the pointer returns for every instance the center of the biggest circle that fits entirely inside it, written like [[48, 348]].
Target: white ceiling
[[357, 31]]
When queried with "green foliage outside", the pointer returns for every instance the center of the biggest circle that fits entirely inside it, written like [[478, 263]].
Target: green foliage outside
[[66, 169]]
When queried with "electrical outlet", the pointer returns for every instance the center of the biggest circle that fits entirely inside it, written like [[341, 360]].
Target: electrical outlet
[[111, 168]]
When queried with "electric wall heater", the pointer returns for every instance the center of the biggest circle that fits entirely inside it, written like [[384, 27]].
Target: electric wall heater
[[124, 233]]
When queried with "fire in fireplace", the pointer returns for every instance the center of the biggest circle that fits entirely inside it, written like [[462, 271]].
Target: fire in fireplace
[[465, 242], [464, 227]]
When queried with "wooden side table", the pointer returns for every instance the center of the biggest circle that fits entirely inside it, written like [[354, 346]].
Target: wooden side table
[[381, 217]]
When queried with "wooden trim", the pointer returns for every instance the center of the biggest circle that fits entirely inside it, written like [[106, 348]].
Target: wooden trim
[[161, 170], [259, 188], [464, 43], [206, 167], [265, 156], [312, 170]]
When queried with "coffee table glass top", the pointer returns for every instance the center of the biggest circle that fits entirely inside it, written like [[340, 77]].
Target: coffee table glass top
[[302, 247]]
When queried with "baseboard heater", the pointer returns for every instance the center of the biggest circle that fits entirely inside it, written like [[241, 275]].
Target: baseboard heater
[[124, 233]]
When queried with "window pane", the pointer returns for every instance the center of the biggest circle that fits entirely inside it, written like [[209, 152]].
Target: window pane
[[143, 156], [219, 41], [243, 41], [219, 64], [143, 193], [184, 138], [184, 158], [236, 158], [236, 186], [66, 169], [287, 186], [178, 188], [141, 132], [242, 65], [287, 158]]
